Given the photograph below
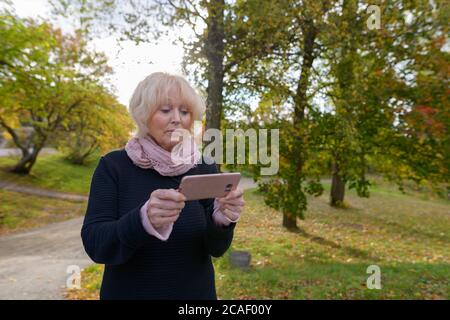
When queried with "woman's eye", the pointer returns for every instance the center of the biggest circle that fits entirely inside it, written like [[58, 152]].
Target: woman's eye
[[165, 110], [184, 112]]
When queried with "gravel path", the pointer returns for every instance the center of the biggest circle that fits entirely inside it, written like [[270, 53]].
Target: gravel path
[[7, 152], [33, 264], [42, 192]]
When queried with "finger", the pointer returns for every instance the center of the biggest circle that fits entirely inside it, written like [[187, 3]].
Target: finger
[[160, 221], [167, 195], [170, 213], [230, 214], [233, 202], [167, 204], [235, 194], [156, 222], [170, 194], [157, 212], [168, 220], [233, 208]]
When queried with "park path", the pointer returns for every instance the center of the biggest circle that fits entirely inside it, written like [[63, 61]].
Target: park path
[[34, 264], [41, 192], [8, 152]]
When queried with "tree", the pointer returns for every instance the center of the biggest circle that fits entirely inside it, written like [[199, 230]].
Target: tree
[[216, 28], [171, 13], [45, 76], [99, 124], [419, 141], [413, 82], [370, 73], [287, 73]]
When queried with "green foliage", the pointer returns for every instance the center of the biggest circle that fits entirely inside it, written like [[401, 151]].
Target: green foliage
[[348, 99], [283, 76], [99, 124], [386, 107], [54, 84]]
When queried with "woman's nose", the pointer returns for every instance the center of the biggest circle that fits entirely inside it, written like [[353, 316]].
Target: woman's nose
[[176, 115]]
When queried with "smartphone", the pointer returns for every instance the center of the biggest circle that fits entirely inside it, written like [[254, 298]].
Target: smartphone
[[205, 186]]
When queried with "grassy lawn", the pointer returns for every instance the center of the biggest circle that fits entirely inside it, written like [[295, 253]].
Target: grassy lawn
[[406, 236], [19, 211], [51, 172]]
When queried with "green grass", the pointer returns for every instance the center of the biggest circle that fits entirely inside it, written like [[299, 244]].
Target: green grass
[[381, 185], [51, 172], [19, 211], [407, 237]]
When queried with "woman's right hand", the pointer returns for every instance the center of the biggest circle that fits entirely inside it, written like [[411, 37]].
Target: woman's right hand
[[164, 207]]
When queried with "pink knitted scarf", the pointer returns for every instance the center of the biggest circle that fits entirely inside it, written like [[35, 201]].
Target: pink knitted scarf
[[147, 154]]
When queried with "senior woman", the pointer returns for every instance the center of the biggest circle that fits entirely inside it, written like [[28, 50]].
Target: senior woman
[[154, 243]]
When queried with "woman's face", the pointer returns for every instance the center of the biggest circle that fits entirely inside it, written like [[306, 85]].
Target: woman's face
[[167, 118]]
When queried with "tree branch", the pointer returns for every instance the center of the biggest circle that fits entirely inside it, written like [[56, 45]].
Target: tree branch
[[13, 135], [194, 13]]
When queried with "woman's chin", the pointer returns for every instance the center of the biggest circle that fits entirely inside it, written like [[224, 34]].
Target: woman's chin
[[169, 146]]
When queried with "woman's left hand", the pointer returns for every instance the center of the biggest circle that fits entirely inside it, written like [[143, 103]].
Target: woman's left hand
[[231, 205]]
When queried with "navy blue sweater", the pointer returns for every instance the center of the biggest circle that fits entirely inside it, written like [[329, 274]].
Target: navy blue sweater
[[138, 265]]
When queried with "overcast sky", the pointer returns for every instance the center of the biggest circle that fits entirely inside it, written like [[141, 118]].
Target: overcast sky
[[131, 64]]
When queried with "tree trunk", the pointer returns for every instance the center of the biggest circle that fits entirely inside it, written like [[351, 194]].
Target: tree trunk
[[214, 48], [27, 162], [289, 221], [345, 81], [301, 103], [29, 159], [79, 157], [337, 187]]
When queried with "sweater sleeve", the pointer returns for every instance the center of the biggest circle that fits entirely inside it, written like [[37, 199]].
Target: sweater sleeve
[[217, 238], [108, 238]]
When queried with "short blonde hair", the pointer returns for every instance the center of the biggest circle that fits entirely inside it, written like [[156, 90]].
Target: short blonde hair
[[153, 92]]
